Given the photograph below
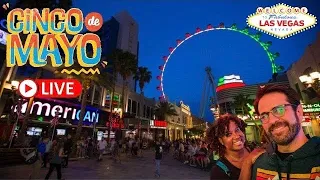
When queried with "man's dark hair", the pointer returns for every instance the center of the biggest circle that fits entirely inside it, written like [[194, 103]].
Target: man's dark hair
[[219, 129], [292, 96]]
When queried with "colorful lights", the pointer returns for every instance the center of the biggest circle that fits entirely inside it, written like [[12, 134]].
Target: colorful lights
[[272, 56], [231, 81], [230, 85]]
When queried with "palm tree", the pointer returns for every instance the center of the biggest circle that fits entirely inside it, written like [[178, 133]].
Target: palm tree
[[165, 109], [241, 101], [124, 63], [103, 79], [143, 75]]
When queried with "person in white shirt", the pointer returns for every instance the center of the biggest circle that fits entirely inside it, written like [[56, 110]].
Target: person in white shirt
[[101, 147], [181, 150], [191, 152]]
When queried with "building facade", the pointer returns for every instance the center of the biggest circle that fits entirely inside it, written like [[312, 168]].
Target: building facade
[[310, 92], [128, 36], [177, 125], [140, 117]]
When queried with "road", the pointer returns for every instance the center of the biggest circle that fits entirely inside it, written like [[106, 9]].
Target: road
[[130, 168]]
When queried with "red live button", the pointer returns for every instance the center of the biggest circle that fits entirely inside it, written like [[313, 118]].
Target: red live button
[[58, 88]]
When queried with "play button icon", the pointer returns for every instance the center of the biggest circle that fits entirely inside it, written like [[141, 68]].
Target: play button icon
[[28, 88]]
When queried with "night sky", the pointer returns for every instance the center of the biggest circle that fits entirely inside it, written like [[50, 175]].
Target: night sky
[[161, 23]]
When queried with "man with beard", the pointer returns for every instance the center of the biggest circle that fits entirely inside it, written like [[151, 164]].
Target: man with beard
[[290, 154]]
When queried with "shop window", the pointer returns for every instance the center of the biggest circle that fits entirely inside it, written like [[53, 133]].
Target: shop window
[[134, 107], [152, 113], [138, 109], [89, 95], [129, 105], [144, 110], [148, 112], [107, 100], [97, 95]]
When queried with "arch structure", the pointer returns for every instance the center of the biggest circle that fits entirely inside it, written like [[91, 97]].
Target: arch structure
[[256, 37]]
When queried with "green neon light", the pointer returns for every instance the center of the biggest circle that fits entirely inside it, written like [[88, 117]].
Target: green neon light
[[40, 118], [264, 45]]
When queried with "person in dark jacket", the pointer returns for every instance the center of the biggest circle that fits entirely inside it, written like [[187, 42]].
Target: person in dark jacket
[[227, 137], [290, 155], [56, 160], [67, 150], [158, 157]]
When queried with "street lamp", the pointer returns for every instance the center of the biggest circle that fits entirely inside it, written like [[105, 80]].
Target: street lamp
[[5, 6], [15, 84], [311, 78], [311, 81]]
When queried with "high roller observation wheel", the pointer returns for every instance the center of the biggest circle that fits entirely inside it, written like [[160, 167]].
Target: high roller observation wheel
[[265, 45]]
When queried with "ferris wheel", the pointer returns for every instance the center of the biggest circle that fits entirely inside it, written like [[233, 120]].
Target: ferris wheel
[[255, 36]]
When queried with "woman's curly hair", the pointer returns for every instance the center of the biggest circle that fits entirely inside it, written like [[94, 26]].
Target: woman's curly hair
[[219, 129]]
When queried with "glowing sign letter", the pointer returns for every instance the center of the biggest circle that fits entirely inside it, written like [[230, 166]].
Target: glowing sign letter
[[83, 59], [19, 53]]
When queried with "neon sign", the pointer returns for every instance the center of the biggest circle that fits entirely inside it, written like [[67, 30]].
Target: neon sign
[[65, 112], [311, 107], [231, 81], [158, 124], [53, 26]]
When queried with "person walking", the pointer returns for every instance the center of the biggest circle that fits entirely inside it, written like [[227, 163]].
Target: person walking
[[46, 154], [101, 147], [41, 149], [55, 163], [158, 157], [67, 150]]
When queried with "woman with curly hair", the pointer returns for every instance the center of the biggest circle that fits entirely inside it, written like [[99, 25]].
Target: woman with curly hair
[[227, 137]]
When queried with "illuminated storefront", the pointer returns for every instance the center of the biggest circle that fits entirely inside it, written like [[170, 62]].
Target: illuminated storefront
[[43, 110], [311, 119], [158, 128]]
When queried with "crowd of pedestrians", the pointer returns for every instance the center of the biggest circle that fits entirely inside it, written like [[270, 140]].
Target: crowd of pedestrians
[[194, 152], [225, 151], [54, 153]]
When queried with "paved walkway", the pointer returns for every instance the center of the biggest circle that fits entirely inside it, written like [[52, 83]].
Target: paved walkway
[[130, 168]]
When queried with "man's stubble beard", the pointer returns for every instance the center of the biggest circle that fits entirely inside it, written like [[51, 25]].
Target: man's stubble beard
[[294, 130]]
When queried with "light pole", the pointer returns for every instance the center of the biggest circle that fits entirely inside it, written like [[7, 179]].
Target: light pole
[[14, 86]]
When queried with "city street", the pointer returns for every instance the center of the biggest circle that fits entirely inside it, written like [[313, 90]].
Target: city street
[[130, 168]]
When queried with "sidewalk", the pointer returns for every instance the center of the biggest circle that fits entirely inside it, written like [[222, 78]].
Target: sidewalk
[[130, 168]]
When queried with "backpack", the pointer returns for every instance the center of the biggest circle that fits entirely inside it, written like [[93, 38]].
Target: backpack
[[223, 167]]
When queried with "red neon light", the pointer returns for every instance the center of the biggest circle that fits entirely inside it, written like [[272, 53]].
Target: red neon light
[[116, 125], [230, 85], [160, 123]]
